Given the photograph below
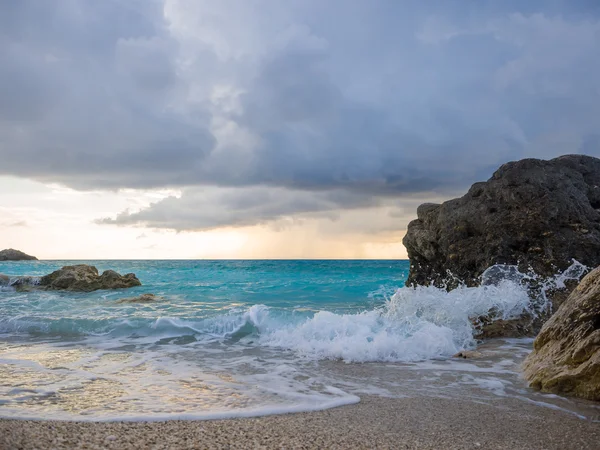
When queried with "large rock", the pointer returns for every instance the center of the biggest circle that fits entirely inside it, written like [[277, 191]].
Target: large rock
[[532, 213], [566, 355], [85, 278], [11, 254]]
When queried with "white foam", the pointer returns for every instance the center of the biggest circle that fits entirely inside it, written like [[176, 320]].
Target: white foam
[[415, 324]]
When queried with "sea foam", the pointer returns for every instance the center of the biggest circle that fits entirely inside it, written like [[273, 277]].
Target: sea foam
[[87, 356]]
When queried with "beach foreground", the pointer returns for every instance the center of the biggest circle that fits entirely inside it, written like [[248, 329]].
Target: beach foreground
[[375, 422]]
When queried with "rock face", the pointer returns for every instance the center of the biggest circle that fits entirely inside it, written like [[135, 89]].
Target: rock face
[[566, 355], [86, 279], [15, 255], [531, 213]]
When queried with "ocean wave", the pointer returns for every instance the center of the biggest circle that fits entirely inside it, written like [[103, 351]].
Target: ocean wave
[[414, 324]]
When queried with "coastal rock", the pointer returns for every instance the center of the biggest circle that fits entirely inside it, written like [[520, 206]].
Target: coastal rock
[[144, 298], [24, 283], [488, 328], [15, 255], [20, 283], [113, 280], [85, 278], [468, 354], [566, 355], [536, 214]]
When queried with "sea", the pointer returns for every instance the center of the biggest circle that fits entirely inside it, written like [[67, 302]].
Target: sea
[[249, 338]]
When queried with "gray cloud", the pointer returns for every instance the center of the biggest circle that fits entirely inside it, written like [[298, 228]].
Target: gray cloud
[[204, 209], [388, 98]]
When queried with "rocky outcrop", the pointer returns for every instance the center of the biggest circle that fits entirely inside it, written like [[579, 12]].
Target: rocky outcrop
[[566, 355], [531, 213], [86, 279], [15, 255], [144, 298]]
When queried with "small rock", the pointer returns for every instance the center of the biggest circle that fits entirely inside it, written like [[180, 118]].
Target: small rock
[[144, 298], [468, 354]]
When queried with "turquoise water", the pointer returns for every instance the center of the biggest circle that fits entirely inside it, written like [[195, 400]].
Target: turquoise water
[[197, 291], [244, 338]]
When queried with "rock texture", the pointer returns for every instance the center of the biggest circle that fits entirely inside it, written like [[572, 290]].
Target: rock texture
[[531, 213], [566, 355], [85, 278], [144, 298], [15, 255], [490, 327]]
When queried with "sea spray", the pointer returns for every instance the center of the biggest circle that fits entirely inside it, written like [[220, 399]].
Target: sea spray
[[414, 324]]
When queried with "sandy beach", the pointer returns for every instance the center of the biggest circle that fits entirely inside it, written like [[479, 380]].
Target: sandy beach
[[375, 422]]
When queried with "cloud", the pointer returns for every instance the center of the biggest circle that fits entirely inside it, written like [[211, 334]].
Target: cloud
[[259, 109], [201, 209], [18, 223]]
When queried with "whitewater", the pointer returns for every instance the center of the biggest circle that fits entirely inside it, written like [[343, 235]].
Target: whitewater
[[247, 338]]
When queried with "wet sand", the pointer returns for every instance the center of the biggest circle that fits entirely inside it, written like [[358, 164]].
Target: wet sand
[[375, 422]]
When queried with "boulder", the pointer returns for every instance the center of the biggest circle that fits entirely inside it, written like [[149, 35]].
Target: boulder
[[85, 278], [15, 255], [566, 353], [532, 213], [113, 280], [144, 298], [4, 280], [491, 328]]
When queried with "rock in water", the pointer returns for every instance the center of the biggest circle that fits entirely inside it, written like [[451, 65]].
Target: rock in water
[[144, 298], [112, 280], [15, 255], [531, 213], [566, 355], [468, 354], [85, 278]]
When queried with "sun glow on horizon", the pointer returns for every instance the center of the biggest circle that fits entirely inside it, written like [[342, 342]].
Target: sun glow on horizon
[[54, 222]]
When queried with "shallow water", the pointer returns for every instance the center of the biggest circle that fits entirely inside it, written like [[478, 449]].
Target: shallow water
[[240, 338]]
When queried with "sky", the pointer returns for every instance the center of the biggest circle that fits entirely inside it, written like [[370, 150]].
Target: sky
[[275, 129]]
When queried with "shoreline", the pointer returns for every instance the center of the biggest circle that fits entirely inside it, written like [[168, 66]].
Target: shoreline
[[375, 422]]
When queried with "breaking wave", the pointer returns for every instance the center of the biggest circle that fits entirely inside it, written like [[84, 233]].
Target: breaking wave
[[413, 324]]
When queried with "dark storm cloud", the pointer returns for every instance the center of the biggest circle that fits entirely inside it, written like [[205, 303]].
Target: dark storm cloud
[[307, 98]]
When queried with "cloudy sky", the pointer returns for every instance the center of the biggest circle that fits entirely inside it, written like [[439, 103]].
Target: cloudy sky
[[275, 128]]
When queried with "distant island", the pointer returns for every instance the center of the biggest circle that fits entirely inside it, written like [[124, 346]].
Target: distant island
[[11, 254]]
